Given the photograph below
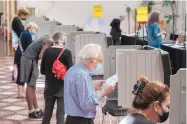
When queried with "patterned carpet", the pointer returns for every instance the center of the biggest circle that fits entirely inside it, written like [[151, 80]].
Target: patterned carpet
[[14, 111]]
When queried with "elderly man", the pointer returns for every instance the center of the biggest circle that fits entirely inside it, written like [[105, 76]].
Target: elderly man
[[80, 98], [29, 72]]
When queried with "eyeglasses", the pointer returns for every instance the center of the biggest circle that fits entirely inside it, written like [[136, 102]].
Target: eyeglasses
[[99, 60]]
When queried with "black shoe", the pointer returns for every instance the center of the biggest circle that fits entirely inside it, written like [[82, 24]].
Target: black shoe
[[40, 113], [34, 116]]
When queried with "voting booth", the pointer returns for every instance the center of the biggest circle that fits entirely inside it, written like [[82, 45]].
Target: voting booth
[[45, 28], [71, 41], [131, 65], [134, 63], [178, 98], [34, 19], [110, 58], [64, 28], [83, 39]]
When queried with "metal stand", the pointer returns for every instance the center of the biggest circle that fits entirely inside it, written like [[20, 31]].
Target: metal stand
[[173, 29], [103, 118], [144, 25], [185, 32], [185, 28], [143, 32], [136, 37]]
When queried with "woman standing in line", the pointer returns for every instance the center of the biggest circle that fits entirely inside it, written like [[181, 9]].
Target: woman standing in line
[[54, 87], [17, 29], [25, 41]]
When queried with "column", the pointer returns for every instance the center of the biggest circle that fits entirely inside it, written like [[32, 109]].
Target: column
[[9, 11]]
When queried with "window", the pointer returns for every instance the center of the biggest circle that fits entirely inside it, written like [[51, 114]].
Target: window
[[32, 11]]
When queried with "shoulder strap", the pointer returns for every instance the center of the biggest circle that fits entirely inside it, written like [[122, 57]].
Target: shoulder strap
[[60, 53], [19, 43]]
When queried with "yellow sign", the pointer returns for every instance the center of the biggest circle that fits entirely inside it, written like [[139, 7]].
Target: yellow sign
[[142, 18], [142, 14], [97, 11]]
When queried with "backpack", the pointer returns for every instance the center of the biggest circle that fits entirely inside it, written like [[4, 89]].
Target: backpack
[[59, 69]]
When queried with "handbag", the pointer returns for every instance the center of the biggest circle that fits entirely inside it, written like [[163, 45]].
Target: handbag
[[20, 45], [59, 69]]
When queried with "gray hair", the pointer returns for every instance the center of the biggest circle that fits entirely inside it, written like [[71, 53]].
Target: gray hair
[[59, 37], [31, 25], [89, 51]]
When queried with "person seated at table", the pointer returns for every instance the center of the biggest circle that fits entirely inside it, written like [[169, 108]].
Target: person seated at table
[[116, 31], [154, 31], [151, 103]]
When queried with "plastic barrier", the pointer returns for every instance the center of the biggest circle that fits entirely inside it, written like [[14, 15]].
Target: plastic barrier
[[71, 41], [132, 64], [83, 39], [178, 98]]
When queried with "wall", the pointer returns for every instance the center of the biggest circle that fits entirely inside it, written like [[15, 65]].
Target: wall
[[78, 12], [1, 6]]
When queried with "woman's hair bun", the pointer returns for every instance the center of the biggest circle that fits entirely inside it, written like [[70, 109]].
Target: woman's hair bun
[[139, 86]]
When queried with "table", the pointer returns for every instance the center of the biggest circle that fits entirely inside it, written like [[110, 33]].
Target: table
[[177, 57], [132, 40]]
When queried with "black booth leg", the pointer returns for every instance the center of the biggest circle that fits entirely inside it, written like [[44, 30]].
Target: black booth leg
[[103, 118], [117, 120]]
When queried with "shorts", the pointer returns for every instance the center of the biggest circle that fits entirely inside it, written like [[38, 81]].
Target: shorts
[[29, 71]]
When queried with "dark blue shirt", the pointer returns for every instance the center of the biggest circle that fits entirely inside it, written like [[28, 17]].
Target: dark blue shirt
[[26, 39]]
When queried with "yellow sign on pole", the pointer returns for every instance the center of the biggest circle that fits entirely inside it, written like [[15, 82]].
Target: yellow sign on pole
[[142, 14], [97, 11]]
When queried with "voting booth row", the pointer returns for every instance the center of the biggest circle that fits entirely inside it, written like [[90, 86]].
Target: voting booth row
[[74, 37], [129, 62], [48, 27]]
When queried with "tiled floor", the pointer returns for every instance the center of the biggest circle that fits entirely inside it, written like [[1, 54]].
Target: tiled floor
[[14, 111]]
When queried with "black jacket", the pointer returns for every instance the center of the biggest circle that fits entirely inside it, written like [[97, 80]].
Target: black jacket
[[17, 26], [53, 86], [115, 31]]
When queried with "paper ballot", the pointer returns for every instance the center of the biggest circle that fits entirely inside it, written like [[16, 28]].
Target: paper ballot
[[111, 80]]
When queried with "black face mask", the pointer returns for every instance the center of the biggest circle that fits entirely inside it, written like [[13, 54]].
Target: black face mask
[[23, 19], [164, 117]]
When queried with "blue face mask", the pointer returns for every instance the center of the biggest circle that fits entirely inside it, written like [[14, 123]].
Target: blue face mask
[[98, 68], [33, 33], [65, 46]]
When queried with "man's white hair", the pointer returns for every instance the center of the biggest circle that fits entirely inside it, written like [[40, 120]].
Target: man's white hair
[[89, 51], [32, 25]]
